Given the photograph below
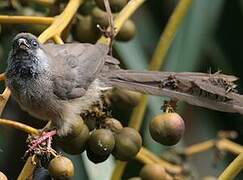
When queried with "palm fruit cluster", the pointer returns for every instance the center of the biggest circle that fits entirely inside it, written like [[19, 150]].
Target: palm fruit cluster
[[93, 14], [101, 138], [83, 27]]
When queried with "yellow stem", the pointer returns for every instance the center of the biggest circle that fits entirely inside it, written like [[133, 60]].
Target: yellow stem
[[121, 18], [118, 171], [168, 166], [2, 76], [4, 99], [138, 112], [143, 158], [233, 169], [222, 144], [169, 33], [19, 126], [61, 21], [58, 39], [228, 145], [26, 20], [44, 2], [27, 170], [200, 147]]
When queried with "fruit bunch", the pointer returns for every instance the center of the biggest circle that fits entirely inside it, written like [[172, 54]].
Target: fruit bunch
[[83, 28], [93, 14], [100, 141]]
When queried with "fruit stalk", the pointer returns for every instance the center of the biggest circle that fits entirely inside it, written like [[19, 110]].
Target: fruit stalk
[[27, 170], [233, 169]]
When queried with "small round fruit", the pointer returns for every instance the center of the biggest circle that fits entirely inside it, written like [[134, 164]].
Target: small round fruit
[[116, 5], [95, 158], [101, 142], [87, 7], [167, 128], [85, 30], [3, 176], [127, 32], [77, 144], [153, 172], [113, 124], [100, 17], [125, 99], [90, 122], [128, 144], [76, 129], [61, 168]]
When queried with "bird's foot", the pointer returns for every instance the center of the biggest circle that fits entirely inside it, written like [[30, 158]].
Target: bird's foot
[[41, 144]]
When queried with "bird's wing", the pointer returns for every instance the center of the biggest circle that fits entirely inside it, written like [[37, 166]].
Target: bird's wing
[[78, 65]]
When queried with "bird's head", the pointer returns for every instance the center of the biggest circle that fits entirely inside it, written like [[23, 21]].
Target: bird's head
[[25, 43], [27, 51]]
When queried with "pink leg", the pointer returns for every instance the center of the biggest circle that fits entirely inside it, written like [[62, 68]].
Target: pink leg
[[45, 136]]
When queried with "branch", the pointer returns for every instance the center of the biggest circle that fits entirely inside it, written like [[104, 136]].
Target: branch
[[121, 18], [61, 21], [228, 145], [169, 33], [233, 169], [118, 171], [4, 99], [19, 126], [26, 20], [58, 39], [174, 169], [221, 144], [2, 77], [27, 170], [198, 148]]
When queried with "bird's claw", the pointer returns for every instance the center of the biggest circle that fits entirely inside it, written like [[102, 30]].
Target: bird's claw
[[42, 143]]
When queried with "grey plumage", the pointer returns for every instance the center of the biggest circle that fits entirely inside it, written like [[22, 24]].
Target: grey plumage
[[58, 82]]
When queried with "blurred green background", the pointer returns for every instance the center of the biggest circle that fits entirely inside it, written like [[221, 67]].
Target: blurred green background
[[210, 38]]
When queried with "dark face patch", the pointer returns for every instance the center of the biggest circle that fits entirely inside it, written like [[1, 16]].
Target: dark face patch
[[25, 42]]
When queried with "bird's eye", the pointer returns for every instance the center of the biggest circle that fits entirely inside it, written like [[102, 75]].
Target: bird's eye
[[34, 43]]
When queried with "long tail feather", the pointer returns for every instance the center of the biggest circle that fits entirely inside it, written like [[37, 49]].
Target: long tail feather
[[215, 91]]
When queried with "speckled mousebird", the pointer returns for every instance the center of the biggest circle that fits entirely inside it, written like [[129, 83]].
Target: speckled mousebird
[[58, 82]]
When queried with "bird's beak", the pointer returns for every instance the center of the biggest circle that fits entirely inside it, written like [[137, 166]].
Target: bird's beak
[[23, 44]]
